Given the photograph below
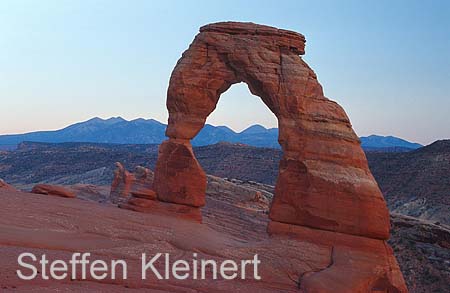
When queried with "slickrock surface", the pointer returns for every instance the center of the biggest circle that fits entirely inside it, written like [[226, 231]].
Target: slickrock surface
[[91, 192], [53, 190], [234, 228], [323, 182], [157, 207]]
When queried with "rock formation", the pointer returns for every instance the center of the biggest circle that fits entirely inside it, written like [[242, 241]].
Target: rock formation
[[325, 193], [121, 184], [134, 191], [142, 184], [53, 190], [126, 184], [6, 186], [323, 182], [179, 177]]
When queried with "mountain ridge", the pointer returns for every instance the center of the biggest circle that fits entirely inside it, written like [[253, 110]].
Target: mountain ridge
[[150, 131], [387, 141]]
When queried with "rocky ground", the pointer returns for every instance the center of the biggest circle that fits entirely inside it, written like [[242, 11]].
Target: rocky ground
[[234, 227], [423, 252], [87, 163], [421, 246], [235, 209], [416, 183]]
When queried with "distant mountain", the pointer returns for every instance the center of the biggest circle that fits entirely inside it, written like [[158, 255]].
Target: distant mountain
[[140, 131], [149, 131], [388, 142], [213, 134], [97, 130]]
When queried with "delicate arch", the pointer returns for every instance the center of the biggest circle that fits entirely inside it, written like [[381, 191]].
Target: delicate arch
[[324, 181]]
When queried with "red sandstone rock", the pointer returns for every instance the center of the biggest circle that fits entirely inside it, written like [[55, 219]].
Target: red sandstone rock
[[140, 195], [314, 260], [258, 197], [354, 255], [178, 176], [157, 207], [144, 193], [6, 186], [121, 185], [126, 183], [90, 192], [52, 190], [142, 184], [324, 181]]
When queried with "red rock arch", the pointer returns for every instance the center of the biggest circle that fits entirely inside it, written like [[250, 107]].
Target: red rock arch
[[324, 181]]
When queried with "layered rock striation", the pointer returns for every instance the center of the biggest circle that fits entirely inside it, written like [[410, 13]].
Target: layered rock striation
[[55, 190], [6, 186], [323, 181], [121, 184], [324, 193]]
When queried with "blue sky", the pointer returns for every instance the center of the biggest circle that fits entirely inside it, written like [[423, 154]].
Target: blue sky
[[386, 62]]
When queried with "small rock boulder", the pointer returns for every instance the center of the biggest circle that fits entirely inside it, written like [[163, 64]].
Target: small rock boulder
[[53, 190]]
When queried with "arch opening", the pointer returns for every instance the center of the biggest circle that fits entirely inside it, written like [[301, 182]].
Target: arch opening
[[239, 117]]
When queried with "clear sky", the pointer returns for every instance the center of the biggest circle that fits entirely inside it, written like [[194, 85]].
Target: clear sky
[[386, 62]]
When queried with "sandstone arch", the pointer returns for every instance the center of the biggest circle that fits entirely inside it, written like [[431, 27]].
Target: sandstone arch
[[323, 182]]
